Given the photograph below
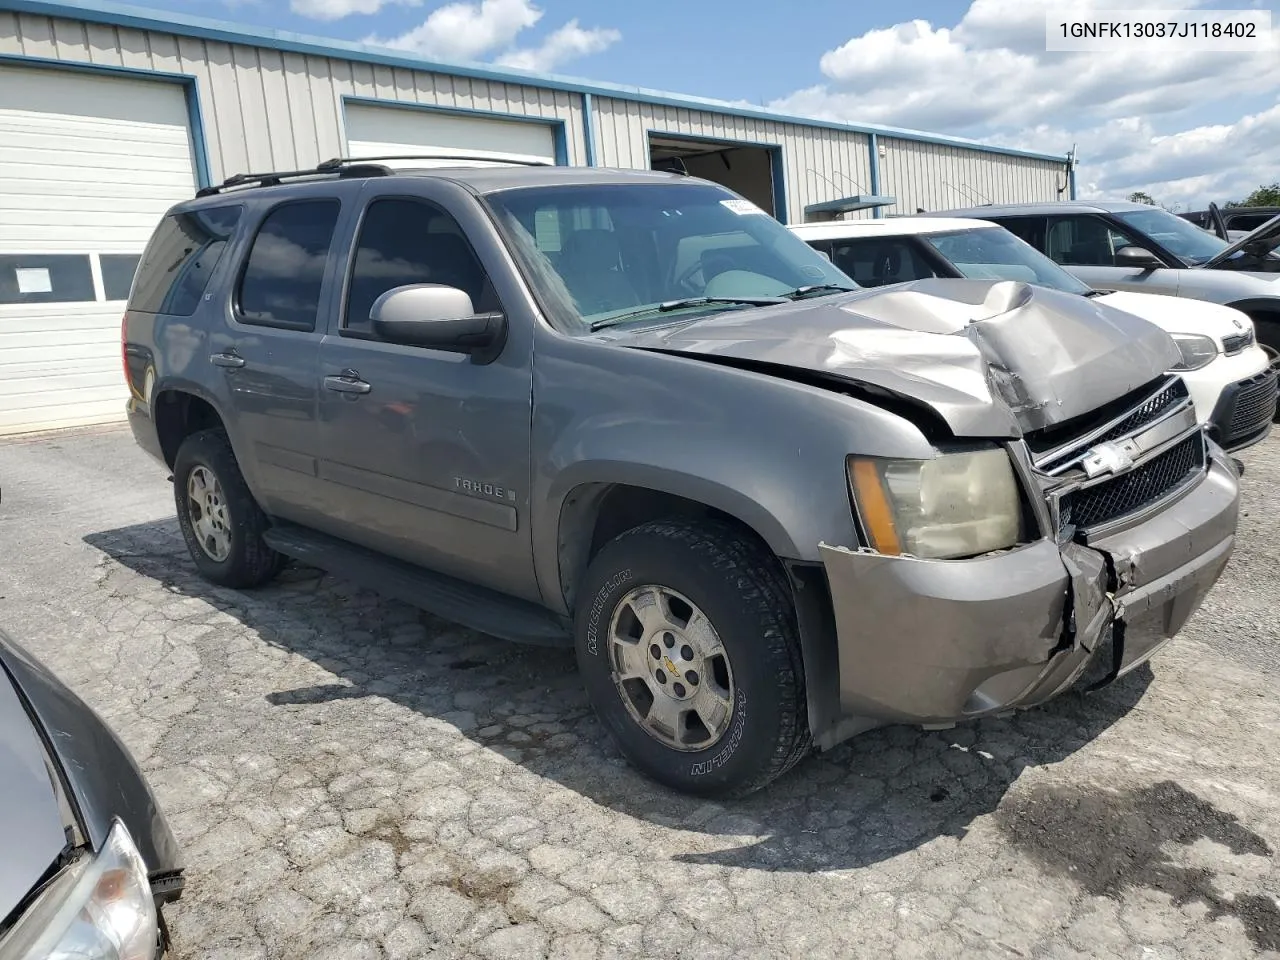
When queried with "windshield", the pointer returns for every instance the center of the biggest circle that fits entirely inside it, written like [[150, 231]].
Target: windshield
[[1180, 237], [987, 254], [596, 252]]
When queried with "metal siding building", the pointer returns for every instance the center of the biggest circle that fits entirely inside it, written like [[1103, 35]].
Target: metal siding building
[[110, 114], [935, 176]]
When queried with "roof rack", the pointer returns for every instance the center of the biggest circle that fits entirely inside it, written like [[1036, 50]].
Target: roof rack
[[347, 167], [338, 162]]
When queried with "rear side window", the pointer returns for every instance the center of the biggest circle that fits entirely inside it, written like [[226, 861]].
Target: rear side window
[[878, 261], [285, 271], [1027, 229], [182, 255]]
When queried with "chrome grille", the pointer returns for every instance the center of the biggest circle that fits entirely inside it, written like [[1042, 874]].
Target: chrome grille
[[1140, 487], [1058, 457], [1150, 411]]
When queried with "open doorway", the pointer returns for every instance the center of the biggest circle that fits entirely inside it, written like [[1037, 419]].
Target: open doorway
[[753, 171]]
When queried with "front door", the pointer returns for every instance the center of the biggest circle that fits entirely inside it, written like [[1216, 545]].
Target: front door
[[1086, 244], [426, 453]]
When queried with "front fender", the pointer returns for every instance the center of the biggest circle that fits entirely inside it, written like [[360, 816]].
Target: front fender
[[766, 450]]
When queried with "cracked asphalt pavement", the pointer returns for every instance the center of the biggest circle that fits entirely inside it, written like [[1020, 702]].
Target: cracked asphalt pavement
[[350, 778]]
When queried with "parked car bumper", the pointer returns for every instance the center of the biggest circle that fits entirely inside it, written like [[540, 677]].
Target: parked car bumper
[[936, 641], [143, 425], [1245, 408]]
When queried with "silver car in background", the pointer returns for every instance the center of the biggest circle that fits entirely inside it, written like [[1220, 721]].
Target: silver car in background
[[1115, 245]]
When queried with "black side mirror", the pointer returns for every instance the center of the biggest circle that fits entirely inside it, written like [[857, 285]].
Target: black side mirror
[[439, 318], [1132, 256]]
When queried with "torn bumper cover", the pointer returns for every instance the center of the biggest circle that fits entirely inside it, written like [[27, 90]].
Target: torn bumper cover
[[935, 641]]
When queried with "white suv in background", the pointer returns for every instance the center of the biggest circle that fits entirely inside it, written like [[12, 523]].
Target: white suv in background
[[1231, 378]]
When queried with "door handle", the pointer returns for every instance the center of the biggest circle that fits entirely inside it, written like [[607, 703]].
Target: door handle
[[347, 383], [226, 360]]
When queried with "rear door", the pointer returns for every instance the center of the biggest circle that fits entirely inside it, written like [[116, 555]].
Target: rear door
[[426, 453], [264, 355]]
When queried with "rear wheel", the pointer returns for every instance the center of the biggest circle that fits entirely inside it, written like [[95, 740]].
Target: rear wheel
[[688, 646], [220, 520]]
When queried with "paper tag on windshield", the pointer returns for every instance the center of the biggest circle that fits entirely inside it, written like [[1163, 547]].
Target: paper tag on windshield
[[741, 207]]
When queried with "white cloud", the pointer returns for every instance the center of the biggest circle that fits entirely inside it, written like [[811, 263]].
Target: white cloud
[[465, 31], [568, 43], [471, 30], [989, 76], [337, 9]]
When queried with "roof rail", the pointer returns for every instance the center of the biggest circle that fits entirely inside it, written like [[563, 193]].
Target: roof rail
[[275, 178], [339, 162], [347, 167]]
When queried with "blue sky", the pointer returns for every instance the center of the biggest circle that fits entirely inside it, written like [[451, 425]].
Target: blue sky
[[1186, 127]]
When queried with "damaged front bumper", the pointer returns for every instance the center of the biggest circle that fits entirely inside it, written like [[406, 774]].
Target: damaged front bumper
[[936, 641]]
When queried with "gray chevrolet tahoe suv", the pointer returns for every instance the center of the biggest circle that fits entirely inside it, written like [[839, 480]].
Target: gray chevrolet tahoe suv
[[631, 412]]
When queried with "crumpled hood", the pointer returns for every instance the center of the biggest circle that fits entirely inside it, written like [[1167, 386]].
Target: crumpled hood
[[31, 833], [992, 358]]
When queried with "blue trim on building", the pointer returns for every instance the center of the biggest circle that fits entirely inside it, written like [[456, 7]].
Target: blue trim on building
[[139, 18], [195, 119], [589, 129], [777, 171], [873, 151], [559, 132]]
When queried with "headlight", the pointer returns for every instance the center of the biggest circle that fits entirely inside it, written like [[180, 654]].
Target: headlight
[[955, 505], [1197, 351], [98, 909]]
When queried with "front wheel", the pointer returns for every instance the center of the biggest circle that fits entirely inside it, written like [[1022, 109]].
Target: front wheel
[[220, 520], [687, 643]]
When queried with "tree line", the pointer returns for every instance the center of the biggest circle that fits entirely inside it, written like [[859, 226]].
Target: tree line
[[1264, 196]]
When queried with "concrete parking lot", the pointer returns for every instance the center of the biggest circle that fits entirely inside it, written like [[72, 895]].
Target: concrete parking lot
[[352, 779]]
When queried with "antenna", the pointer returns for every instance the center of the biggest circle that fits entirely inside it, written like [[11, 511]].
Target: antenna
[[827, 179], [856, 185], [955, 189]]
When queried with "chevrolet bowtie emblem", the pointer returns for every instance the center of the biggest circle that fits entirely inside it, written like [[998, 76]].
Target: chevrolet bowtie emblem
[[1107, 458]]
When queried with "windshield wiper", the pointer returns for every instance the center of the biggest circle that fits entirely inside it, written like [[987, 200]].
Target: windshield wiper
[[1096, 293], [801, 292], [670, 305]]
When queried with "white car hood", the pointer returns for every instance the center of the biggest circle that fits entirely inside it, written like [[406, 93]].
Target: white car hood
[[1180, 314]]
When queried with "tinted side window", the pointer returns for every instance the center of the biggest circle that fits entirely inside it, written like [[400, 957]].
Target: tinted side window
[[410, 241], [1085, 242], [182, 255], [285, 270], [877, 261], [1027, 229]]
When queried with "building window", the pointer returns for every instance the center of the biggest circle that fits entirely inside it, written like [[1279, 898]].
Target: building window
[[118, 270], [46, 278]]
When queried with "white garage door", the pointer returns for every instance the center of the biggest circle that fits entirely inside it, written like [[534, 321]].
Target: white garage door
[[392, 131], [88, 165]]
